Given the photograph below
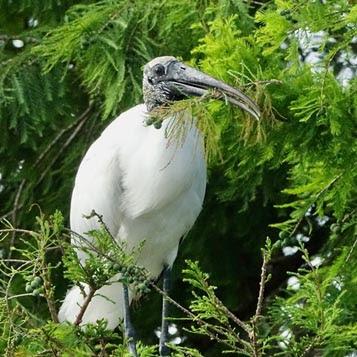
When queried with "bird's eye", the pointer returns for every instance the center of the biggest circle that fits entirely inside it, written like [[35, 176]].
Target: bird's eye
[[159, 70]]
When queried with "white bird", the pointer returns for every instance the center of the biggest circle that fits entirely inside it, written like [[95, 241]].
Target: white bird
[[146, 187]]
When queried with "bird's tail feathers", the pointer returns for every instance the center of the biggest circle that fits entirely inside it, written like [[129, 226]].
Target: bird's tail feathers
[[107, 303]]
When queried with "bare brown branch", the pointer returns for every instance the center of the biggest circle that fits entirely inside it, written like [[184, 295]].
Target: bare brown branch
[[84, 306]]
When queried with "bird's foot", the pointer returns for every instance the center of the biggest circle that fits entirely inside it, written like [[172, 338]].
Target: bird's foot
[[128, 327], [132, 348], [164, 350]]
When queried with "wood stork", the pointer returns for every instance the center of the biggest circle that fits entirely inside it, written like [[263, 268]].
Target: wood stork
[[145, 188]]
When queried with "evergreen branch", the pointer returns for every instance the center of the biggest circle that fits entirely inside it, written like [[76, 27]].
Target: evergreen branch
[[101, 221], [233, 317], [317, 197], [213, 331], [214, 334]]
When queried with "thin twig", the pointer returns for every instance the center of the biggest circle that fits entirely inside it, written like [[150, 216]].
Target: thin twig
[[101, 221], [7, 214], [60, 134], [10, 297], [48, 293], [263, 82], [14, 215], [192, 316], [85, 117], [85, 305], [15, 261], [17, 205], [27, 39], [233, 317], [262, 283], [18, 230], [351, 251], [258, 311], [226, 311]]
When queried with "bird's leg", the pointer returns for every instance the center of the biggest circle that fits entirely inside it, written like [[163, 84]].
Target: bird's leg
[[128, 327], [163, 349]]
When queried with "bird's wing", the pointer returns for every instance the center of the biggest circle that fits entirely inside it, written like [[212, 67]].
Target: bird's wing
[[99, 184], [138, 182], [146, 190]]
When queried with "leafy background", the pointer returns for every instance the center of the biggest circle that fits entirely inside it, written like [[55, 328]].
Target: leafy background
[[69, 67]]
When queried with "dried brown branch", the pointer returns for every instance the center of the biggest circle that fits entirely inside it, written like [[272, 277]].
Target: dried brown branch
[[60, 134], [258, 311], [263, 280], [7, 214], [79, 122], [84, 117], [14, 215], [84, 306]]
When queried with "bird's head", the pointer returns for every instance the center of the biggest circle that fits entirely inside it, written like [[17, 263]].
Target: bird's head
[[166, 79]]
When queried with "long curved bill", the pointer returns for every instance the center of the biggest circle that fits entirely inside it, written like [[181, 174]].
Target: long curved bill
[[192, 82]]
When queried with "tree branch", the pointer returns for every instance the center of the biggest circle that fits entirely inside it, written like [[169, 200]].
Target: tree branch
[[84, 118], [78, 122], [85, 305]]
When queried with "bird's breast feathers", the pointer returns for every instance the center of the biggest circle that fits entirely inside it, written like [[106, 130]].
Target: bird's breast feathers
[[133, 170]]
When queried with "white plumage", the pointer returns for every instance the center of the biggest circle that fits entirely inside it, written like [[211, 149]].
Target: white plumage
[[147, 187]]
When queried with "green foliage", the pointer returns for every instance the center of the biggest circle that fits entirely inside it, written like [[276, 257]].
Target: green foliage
[[29, 277], [105, 258], [313, 316], [82, 60], [107, 41]]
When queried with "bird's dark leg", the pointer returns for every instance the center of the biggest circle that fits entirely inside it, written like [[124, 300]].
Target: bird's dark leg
[[164, 350], [128, 327]]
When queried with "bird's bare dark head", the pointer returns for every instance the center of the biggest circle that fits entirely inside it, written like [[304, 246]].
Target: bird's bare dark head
[[157, 75], [166, 79]]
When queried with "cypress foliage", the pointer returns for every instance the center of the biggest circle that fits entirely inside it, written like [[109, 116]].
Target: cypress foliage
[[68, 67]]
